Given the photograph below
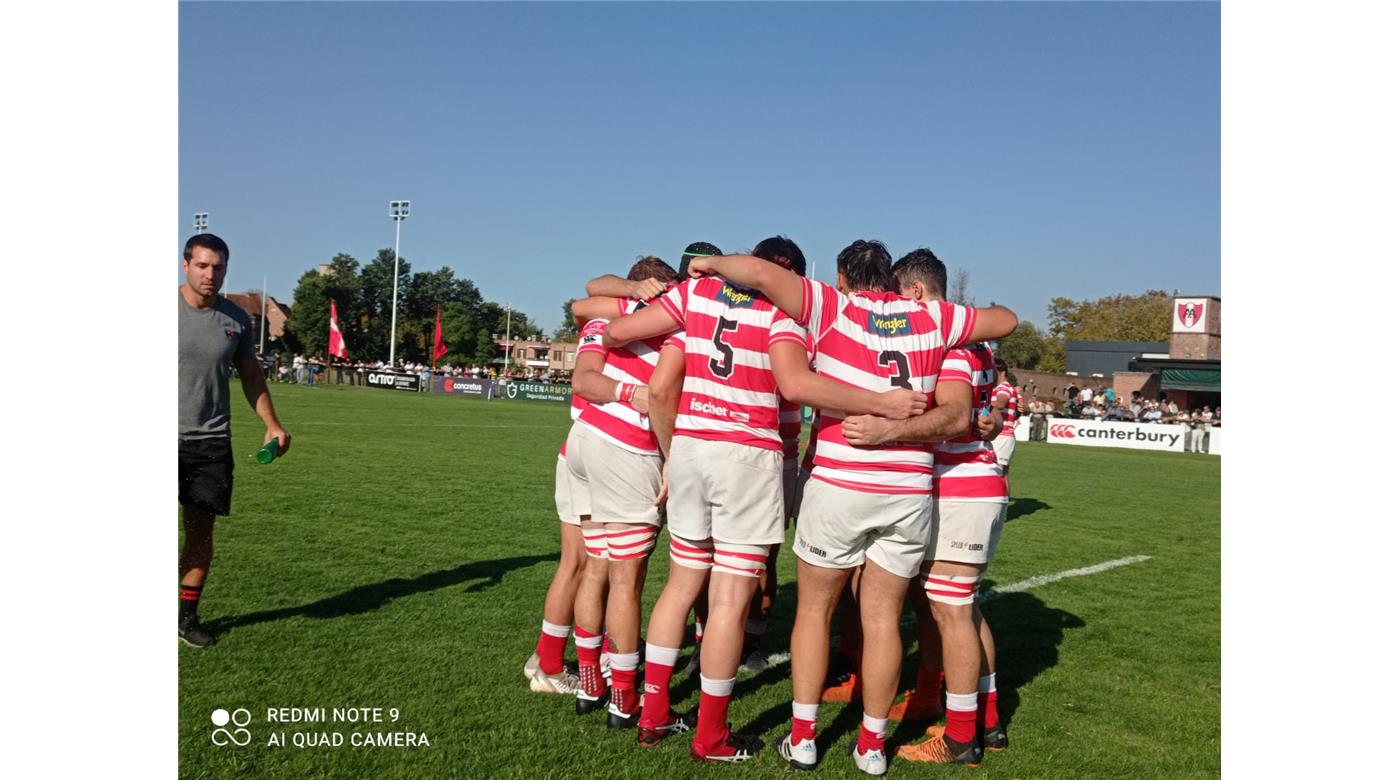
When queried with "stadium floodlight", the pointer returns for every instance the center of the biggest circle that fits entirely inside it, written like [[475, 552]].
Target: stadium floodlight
[[398, 209], [201, 221]]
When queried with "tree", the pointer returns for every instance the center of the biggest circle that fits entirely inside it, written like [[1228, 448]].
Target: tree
[[958, 290], [311, 312], [485, 348], [1145, 317], [568, 329], [1024, 348], [376, 299]]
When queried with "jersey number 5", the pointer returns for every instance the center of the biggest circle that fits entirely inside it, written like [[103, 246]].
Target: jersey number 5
[[900, 362], [723, 368]]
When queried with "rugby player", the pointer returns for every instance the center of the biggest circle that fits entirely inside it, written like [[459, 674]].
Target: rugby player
[[545, 668], [864, 507], [725, 478], [614, 475], [970, 507], [1007, 399]]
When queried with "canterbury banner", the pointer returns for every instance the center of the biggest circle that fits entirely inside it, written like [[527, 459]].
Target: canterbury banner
[[1136, 436]]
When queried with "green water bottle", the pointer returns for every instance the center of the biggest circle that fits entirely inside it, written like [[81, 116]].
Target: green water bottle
[[268, 453]]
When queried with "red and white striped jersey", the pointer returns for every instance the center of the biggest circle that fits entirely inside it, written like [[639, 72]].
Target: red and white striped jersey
[[790, 414], [966, 467], [618, 422], [729, 392], [878, 341], [1012, 411]]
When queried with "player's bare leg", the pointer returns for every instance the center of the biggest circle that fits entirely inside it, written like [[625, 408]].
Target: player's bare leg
[[629, 548], [988, 719], [925, 701], [730, 596], [843, 675], [196, 555], [559, 617], [819, 590], [881, 602], [950, 588], [756, 626], [665, 634], [588, 618]]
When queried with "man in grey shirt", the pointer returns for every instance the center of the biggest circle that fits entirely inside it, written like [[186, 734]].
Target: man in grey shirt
[[214, 334]]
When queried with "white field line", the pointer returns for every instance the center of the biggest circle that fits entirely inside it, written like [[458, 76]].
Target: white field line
[[1045, 579]]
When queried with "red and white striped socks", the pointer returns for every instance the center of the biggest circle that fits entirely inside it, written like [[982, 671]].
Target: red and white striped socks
[[656, 705], [590, 647], [624, 680], [987, 701], [804, 721], [962, 717], [872, 734], [550, 648]]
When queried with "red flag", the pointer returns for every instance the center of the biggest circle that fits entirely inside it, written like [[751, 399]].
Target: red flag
[[337, 344], [439, 348]]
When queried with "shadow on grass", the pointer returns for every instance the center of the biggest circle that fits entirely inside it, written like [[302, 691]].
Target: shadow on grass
[[1021, 507], [1028, 635], [366, 598]]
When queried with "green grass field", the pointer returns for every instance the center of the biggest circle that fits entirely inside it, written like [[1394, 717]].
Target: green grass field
[[398, 557]]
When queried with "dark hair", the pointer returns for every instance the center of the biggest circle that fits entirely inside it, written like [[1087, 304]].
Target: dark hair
[[783, 251], [650, 267], [209, 241], [1001, 365], [697, 249], [866, 266], [924, 267]]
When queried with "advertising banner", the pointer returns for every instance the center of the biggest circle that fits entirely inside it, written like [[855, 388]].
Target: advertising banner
[[538, 391], [1137, 436], [463, 386], [392, 381]]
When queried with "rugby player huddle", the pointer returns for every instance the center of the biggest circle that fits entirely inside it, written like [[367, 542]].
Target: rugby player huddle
[[687, 399]]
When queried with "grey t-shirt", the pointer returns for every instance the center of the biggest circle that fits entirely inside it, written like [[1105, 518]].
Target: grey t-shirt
[[210, 339]]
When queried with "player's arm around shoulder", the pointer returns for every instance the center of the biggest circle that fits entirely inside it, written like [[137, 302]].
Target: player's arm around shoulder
[[992, 323], [948, 419], [784, 288], [644, 324], [250, 374]]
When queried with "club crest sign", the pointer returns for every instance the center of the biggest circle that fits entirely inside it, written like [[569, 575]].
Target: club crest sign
[[1190, 315]]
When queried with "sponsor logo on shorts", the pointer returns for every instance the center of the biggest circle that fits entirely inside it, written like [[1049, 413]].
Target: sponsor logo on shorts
[[734, 296], [811, 548], [888, 325], [969, 546]]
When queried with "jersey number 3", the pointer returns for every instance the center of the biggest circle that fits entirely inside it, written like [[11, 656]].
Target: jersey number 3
[[900, 362], [723, 368]]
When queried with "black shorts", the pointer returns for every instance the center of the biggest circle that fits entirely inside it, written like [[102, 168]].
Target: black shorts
[[206, 474]]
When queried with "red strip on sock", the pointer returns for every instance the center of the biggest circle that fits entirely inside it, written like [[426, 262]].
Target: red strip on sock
[[550, 649], [987, 710], [712, 730], [869, 740], [656, 707], [962, 726]]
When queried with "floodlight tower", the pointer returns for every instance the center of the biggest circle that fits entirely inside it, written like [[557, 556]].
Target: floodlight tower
[[398, 209], [201, 222]]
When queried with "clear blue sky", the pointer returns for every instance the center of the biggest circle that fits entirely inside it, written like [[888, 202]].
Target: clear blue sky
[[1051, 149]]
